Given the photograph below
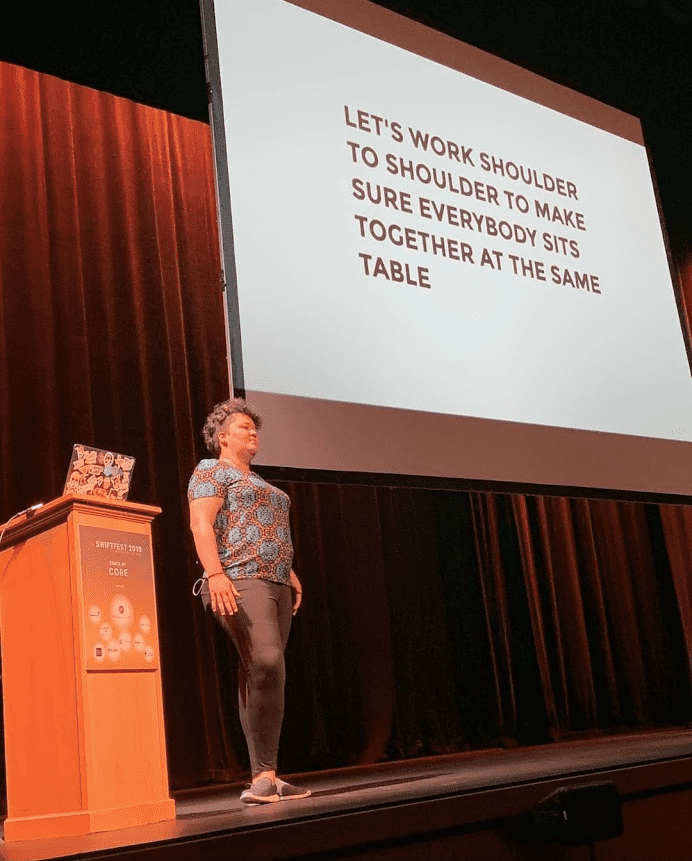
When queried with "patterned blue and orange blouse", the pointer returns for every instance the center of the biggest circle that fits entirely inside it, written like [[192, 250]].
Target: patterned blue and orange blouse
[[252, 529]]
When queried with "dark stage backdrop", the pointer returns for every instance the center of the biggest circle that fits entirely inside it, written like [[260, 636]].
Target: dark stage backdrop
[[433, 621]]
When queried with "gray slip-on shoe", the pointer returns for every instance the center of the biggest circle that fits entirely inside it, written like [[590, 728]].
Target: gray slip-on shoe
[[261, 791]]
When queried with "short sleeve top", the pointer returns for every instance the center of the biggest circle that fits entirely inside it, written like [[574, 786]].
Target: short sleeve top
[[252, 528]]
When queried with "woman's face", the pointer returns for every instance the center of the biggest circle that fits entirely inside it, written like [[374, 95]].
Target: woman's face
[[239, 437]]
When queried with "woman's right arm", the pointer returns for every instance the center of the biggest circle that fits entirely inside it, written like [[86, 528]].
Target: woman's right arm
[[222, 592]]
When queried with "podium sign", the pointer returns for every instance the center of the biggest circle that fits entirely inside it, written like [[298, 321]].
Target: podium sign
[[119, 619]]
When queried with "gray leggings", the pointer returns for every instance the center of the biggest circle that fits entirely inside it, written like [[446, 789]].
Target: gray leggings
[[260, 631]]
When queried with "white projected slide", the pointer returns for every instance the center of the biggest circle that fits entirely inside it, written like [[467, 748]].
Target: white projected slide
[[437, 275]]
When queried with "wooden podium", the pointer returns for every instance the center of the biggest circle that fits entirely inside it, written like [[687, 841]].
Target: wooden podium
[[81, 676]]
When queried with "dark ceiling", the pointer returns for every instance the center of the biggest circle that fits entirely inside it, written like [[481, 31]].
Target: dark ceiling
[[633, 54]]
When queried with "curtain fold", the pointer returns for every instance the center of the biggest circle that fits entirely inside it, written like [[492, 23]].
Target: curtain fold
[[433, 621], [109, 302]]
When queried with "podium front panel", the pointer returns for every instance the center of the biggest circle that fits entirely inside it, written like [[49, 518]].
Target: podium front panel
[[84, 732], [119, 616]]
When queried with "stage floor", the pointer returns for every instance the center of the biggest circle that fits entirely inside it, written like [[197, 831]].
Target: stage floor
[[354, 806]]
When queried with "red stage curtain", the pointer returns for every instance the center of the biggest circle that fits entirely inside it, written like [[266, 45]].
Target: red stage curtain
[[433, 620], [111, 332]]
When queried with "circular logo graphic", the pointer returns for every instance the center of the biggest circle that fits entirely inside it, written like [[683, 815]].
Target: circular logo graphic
[[113, 650], [106, 632], [144, 624], [125, 641], [95, 614], [121, 611]]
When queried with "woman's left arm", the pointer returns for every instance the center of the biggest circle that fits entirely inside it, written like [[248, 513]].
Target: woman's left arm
[[297, 590]]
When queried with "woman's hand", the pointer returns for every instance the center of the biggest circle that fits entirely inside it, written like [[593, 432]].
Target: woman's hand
[[297, 590], [222, 594]]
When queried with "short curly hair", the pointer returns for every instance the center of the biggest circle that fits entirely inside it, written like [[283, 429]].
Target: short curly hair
[[217, 419]]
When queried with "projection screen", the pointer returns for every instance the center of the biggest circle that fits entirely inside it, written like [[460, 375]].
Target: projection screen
[[438, 263]]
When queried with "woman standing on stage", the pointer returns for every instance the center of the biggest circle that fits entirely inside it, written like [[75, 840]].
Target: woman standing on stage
[[242, 536]]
